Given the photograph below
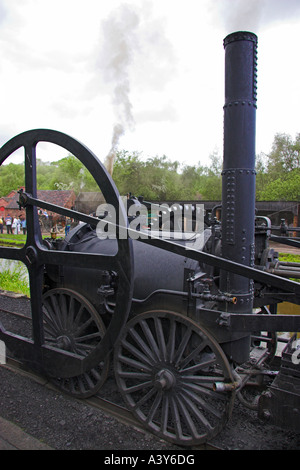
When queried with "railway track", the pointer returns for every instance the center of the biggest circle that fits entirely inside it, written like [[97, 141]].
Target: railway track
[[112, 409], [97, 401]]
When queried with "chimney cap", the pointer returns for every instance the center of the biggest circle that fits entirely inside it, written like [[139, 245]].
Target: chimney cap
[[240, 36]]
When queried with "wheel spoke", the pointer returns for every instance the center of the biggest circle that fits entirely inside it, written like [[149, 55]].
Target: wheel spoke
[[134, 363], [145, 398], [63, 310], [202, 403], [182, 346], [195, 412], [165, 414], [138, 387], [55, 312], [161, 339], [154, 407], [137, 353], [151, 341], [198, 367], [80, 339], [142, 345], [193, 355], [186, 415], [176, 418], [171, 341], [83, 327]]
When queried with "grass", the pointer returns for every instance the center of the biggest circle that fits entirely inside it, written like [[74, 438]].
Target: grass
[[17, 240], [12, 240], [291, 258], [14, 279]]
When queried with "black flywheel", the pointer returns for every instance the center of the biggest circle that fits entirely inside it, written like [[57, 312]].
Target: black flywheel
[[56, 356]]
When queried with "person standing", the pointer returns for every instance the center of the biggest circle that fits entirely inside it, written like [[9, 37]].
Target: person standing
[[14, 226], [8, 223], [1, 225], [18, 226], [23, 224]]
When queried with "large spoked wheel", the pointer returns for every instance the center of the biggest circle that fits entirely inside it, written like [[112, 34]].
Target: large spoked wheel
[[71, 323], [166, 369], [35, 255]]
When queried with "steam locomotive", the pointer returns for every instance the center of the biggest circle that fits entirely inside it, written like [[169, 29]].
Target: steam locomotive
[[187, 319]]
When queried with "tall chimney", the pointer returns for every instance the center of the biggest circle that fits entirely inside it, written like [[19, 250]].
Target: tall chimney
[[238, 176]]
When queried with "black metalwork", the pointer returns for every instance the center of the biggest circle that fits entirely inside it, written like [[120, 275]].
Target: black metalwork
[[238, 175], [36, 255], [279, 404]]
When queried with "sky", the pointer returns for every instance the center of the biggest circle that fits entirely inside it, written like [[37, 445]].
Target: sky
[[142, 75]]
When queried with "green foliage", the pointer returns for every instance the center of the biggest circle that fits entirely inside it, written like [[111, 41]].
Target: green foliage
[[17, 240], [283, 189], [291, 258], [14, 278], [158, 178], [278, 174], [11, 178]]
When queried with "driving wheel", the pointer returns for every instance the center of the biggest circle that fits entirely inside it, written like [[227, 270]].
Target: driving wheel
[[71, 323], [166, 369]]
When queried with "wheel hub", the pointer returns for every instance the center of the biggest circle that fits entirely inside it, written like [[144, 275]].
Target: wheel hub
[[164, 379], [64, 342]]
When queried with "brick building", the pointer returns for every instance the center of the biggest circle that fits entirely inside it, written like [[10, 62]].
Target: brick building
[[9, 204]]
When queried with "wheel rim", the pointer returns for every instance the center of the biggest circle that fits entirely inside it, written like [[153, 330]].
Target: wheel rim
[[166, 367], [71, 323]]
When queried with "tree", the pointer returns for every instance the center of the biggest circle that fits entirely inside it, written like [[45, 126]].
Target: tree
[[70, 173], [287, 189], [283, 160], [128, 173], [285, 154], [210, 183], [11, 178]]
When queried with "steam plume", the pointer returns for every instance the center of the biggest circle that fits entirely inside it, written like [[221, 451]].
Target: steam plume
[[252, 15], [119, 39]]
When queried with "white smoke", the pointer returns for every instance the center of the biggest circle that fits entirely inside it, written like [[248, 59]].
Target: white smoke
[[134, 43], [119, 32], [252, 15]]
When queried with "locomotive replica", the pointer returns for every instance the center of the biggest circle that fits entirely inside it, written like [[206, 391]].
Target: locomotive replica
[[187, 320]]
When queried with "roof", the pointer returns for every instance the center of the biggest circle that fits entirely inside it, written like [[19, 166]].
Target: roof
[[90, 196], [59, 198]]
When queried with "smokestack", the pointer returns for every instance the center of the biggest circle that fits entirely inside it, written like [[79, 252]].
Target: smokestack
[[238, 176]]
